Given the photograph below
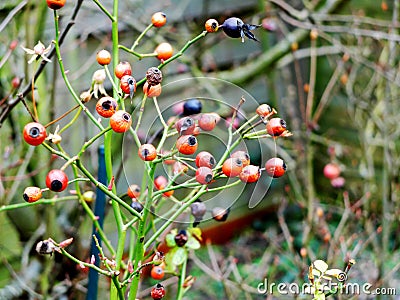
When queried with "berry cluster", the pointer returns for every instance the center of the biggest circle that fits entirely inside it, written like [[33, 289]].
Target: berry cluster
[[206, 171]]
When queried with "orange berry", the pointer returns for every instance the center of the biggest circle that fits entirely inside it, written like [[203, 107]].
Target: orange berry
[[147, 152], [275, 167], [157, 273], [158, 19], [164, 51], [232, 167], [154, 91], [243, 156], [103, 57], [276, 126], [32, 194], [120, 121], [250, 174], [187, 144], [34, 133], [123, 68], [264, 110], [133, 191], [204, 175], [208, 122], [55, 4], [205, 159], [185, 126], [106, 106], [211, 25]]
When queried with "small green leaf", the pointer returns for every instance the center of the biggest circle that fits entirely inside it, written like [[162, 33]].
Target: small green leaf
[[180, 256], [193, 243], [170, 240]]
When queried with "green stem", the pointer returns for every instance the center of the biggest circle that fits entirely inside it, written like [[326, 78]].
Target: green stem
[[41, 201], [103, 9], [201, 192], [182, 276], [138, 55], [82, 263], [140, 247], [92, 140], [64, 76], [141, 111], [141, 36]]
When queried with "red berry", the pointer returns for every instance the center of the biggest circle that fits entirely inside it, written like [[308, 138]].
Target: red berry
[[55, 4], [133, 191], [275, 167], [164, 51], [276, 126], [186, 144], [106, 106], [147, 152], [120, 121], [331, 171], [232, 167], [205, 159], [208, 122], [157, 273], [160, 182], [154, 91], [185, 126], [220, 214], [158, 292], [34, 133], [211, 25], [243, 156], [103, 57], [128, 85], [15, 82], [158, 19], [56, 180], [250, 174], [122, 69], [32, 194], [204, 175], [264, 110]]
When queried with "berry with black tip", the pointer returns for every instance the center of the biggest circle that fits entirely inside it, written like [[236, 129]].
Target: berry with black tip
[[204, 175], [106, 106], [276, 126], [56, 180], [120, 121], [32, 194], [34, 133], [147, 152], [205, 159], [185, 126], [187, 144], [158, 292], [159, 19], [232, 167]]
